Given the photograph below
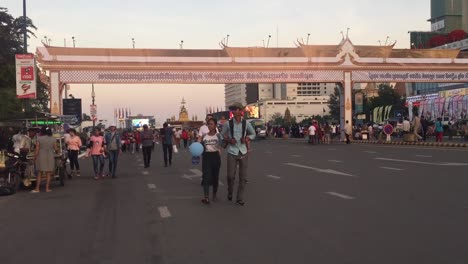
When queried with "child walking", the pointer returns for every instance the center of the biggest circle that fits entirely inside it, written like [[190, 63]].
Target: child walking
[[211, 161]]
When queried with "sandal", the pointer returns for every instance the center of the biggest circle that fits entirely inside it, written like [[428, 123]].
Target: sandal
[[240, 202]]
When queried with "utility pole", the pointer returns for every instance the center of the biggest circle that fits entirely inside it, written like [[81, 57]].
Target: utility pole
[[25, 30]]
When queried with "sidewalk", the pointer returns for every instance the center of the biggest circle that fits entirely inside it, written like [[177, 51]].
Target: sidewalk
[[455, 142]]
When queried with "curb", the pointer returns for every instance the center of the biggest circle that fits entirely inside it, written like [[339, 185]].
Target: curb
[[413, 143]]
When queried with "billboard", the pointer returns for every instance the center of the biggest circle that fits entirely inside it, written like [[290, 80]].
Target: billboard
[[140, 122], [25, 76], [72, 107]]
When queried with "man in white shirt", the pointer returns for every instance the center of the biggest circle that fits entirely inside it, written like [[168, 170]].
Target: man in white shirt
[[406, 126], [312, 134], [204, 129]]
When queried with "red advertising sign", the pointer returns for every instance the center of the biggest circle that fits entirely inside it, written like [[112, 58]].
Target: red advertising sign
[[25, 76]]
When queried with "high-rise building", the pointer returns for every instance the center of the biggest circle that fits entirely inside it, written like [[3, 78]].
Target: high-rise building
[[253, 92], [446, 15], [235, 92]]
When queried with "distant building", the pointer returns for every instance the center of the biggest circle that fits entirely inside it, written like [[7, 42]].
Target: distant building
[[301, 108], [449, 18]]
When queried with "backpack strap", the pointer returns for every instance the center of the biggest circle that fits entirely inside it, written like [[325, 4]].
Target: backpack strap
[[231, 127], [244, 125]]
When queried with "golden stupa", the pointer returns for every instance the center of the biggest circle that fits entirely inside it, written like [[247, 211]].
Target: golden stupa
[[183, 114]]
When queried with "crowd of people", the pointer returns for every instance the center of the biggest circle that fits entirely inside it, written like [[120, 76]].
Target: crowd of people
[[103, 146]]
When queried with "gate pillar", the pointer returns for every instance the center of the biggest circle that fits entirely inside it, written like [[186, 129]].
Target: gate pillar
[[348, 89], [55, 94]]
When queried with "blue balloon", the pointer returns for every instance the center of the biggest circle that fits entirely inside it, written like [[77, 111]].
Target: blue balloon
[[196, 149]]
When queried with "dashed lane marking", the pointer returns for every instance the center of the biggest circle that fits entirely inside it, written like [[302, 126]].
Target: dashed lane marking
[[164, 212], [346, 197], [424, 156], [425, 163], [329, 171], [273, 177], [390, 168]]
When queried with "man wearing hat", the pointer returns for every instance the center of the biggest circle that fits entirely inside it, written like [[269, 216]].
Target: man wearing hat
[[113, 148], [237, 133]]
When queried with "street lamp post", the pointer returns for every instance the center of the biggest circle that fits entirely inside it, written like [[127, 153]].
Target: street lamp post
[[25, 30], [92, 97]]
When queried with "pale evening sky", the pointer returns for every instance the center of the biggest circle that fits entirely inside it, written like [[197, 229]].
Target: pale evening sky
[[203, 24]]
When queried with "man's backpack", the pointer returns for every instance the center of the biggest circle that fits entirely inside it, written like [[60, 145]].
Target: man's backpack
[[231, 128]]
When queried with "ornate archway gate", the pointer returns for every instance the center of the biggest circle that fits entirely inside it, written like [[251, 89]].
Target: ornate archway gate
[[343, 63]]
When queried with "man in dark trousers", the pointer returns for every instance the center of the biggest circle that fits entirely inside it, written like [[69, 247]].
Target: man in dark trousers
[[237, 133], [167, 139], [147, 138]]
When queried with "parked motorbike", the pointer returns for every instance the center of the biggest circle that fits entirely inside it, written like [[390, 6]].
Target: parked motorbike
[[10, 177]]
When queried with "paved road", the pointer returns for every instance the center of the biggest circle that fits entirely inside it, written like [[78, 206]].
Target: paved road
[[305, 204]]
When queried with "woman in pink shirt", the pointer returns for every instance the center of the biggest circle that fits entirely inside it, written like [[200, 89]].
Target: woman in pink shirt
[[96, 149], [74, 145]]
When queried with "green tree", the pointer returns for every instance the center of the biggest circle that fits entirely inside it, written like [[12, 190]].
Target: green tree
[[334, 104], [287, 117], [386, 96], [277, 119], [11, 43]]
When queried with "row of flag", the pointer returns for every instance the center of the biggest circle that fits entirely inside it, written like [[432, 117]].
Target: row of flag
[[211, 109], [122, 112]]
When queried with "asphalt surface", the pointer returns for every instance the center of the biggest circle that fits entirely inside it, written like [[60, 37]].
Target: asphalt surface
[[304, 204]]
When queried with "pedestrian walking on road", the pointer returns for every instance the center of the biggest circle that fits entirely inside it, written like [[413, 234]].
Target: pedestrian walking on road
[[46, 148], [348, 132], [211, 161], [167, 139], [74, 144], [113, 146], [439, 129], [96, 150], [147, 138], [237, 132]]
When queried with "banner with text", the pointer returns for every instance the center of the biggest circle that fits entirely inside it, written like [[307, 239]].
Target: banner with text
[[199, 76], [25, 76], [410, 76]]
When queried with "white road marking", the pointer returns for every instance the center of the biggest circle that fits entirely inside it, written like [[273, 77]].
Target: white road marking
[[151, 186], [274, 177], [196, 172], [145, 172], [425, 163], [329, 171], [336, 161], [340, 195], [164, 212], [390, 168], [370, 152], [424, 156]]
